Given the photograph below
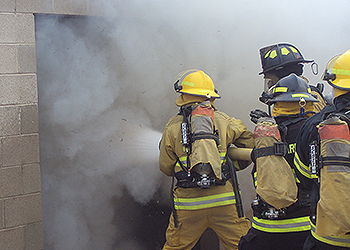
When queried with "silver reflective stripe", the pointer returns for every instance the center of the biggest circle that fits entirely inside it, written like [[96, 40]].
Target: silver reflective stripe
[[301, 167], [289, 225], [204, 202], [331, 169]]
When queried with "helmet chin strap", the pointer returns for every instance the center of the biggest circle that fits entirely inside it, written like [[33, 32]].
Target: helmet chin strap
[[269, 109]]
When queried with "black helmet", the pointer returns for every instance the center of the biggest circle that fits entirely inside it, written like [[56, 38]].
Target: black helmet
[[291, 88], [278, 55]]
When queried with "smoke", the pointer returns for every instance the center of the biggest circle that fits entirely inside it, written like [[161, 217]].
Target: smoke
[[105, 95], [96, 135]]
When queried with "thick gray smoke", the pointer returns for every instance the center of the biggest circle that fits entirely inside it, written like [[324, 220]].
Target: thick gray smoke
[[105, 95]]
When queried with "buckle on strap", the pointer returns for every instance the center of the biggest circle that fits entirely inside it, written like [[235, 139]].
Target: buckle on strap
[[280, 148]]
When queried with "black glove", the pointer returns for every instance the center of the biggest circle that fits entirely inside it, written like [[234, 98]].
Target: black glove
[[256, 114]]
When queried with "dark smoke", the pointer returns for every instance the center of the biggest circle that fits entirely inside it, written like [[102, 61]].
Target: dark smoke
[[105, 95]]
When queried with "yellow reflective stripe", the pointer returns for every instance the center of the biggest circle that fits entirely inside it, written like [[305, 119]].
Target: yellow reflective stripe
[[295, 176], [222, 157], [184, 158], [183, 161], [222, 154], [293, 49], [300, 95], [188, 83], [344, 72], [304, 170], [284, 51], [280, 89], [341, 241], [273, 54], [255, 179], [205, 202], [282, 226]]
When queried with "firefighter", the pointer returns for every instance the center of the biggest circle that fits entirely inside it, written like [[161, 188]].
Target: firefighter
[[282, 59], [197, 207], [310, 170], [283, 227]]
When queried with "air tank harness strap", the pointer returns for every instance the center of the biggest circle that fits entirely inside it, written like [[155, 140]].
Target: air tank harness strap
[[199, 136], [278, 148], [335, 160], [172, 197]]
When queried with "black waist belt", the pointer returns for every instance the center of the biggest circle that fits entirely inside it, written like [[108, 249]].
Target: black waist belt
[[185, 181]]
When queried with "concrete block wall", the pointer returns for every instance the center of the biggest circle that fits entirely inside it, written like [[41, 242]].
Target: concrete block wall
[[20, 186]]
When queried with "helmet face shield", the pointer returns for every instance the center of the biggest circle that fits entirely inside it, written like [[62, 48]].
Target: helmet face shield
[[269, 81], [292, 89]]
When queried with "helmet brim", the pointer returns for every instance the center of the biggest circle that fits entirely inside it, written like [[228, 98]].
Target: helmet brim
[[206, 93], [342, 84], [284, 64]]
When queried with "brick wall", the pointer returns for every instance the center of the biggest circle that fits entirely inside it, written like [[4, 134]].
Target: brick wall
[[20, 197]]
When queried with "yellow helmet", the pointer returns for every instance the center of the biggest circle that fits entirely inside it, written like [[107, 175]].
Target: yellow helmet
[[337, 72], [196, 82]]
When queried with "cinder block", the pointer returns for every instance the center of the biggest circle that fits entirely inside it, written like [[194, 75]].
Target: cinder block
[[2, 214], [26, 59], [71, 7], [8, 60], [18, 89], [10, 122], [29, 119], [7, 27], [11, 181], [19, 150], [34, 6], [31, 178], [22, 210], [11, 239], [25, 28], [8, 5], [17, 28], [34, 236]]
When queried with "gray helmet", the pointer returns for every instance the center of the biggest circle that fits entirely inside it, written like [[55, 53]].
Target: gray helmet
[[291, 88]]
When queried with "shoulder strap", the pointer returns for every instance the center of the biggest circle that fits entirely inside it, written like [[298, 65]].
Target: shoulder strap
[[283, 127], [278, 148], [344, 116]]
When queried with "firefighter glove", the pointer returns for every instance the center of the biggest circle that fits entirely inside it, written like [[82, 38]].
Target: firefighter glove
[[256, 114]]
